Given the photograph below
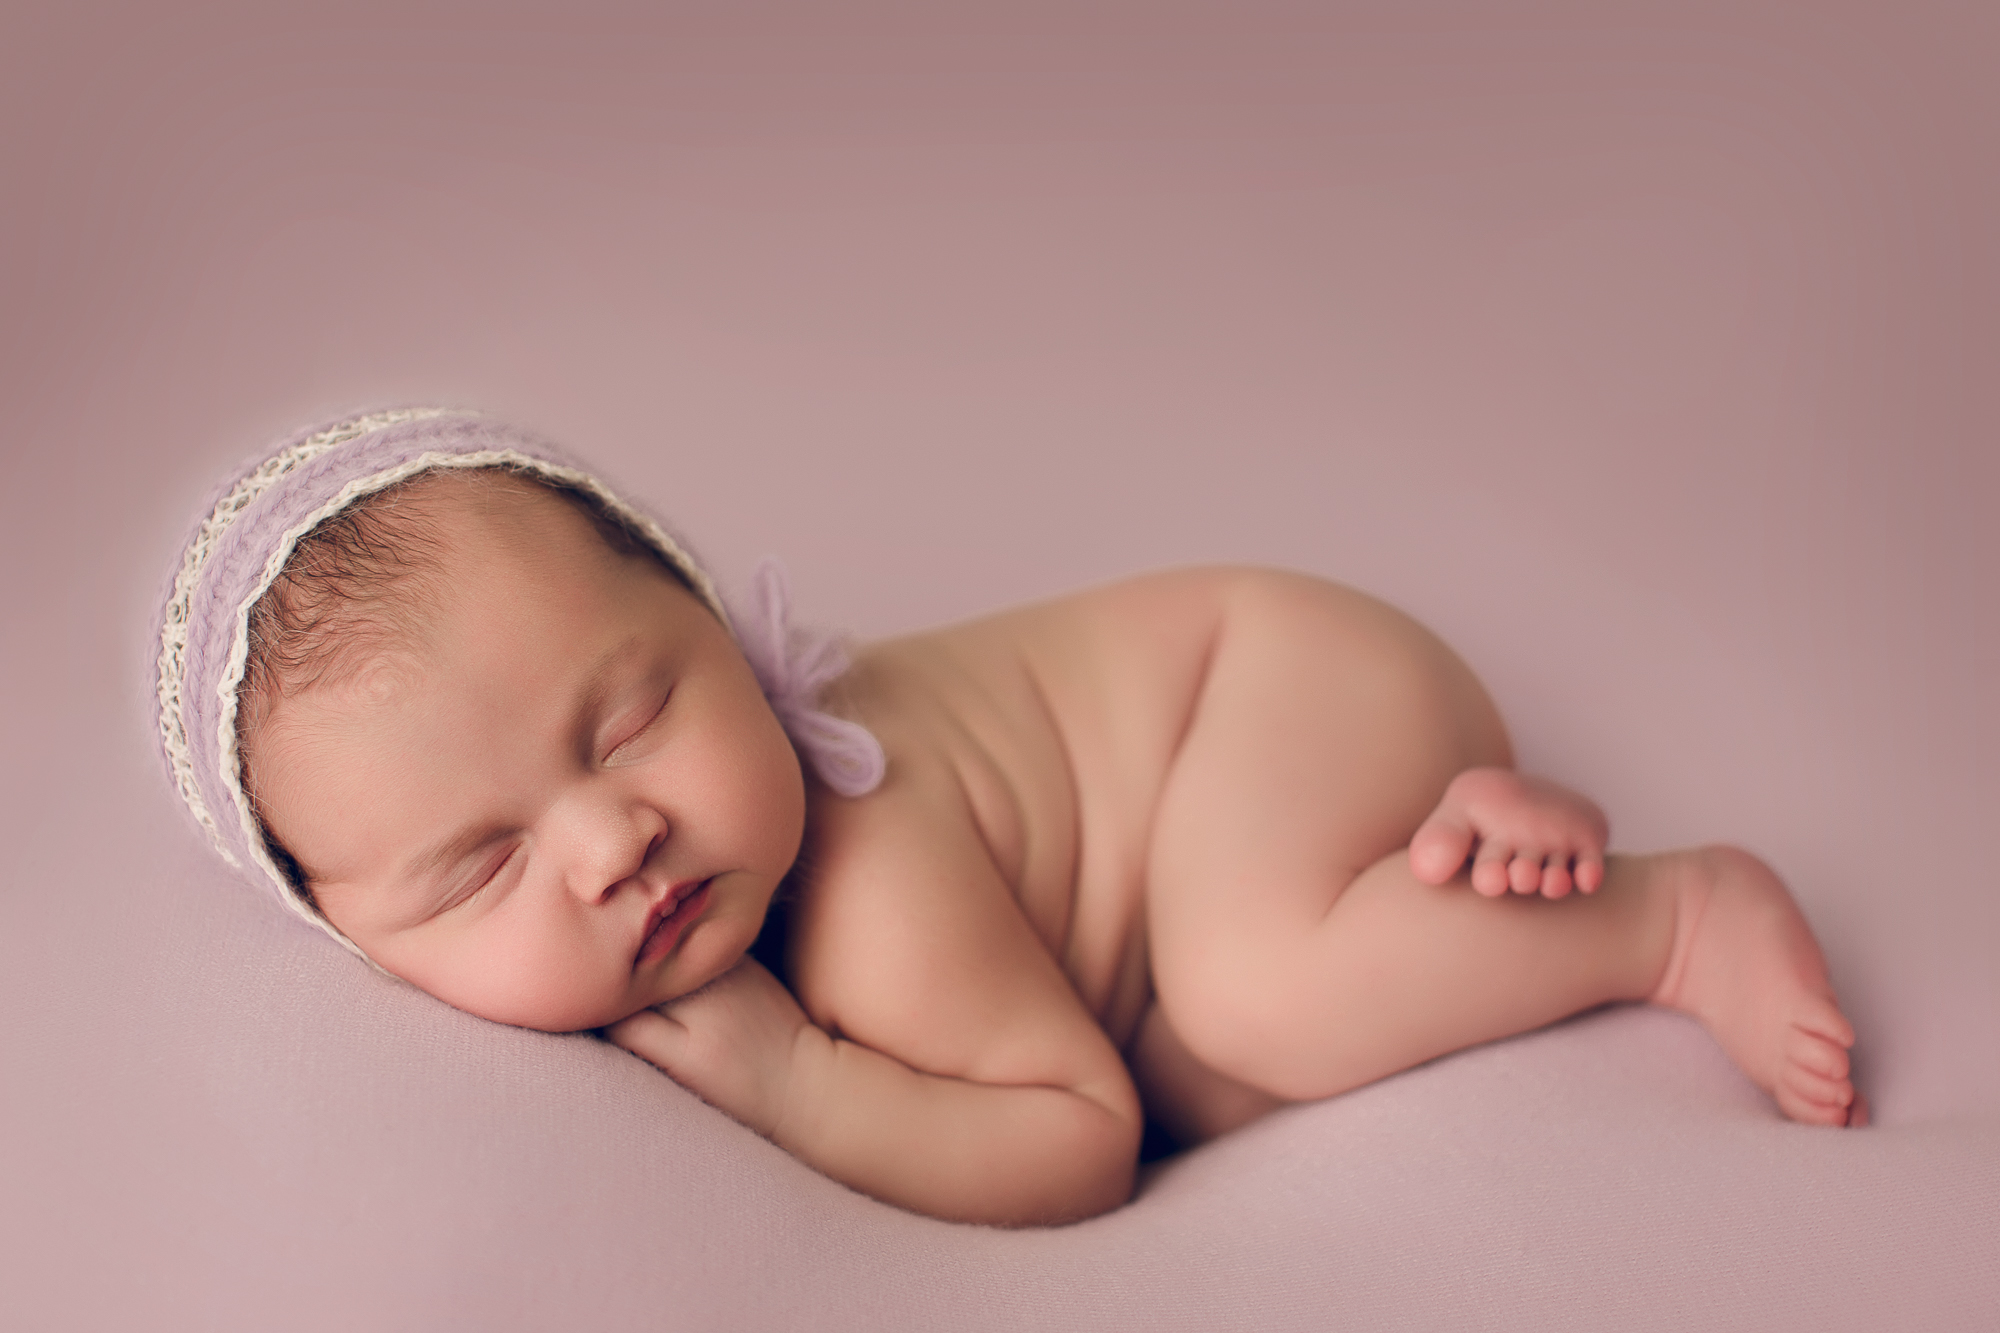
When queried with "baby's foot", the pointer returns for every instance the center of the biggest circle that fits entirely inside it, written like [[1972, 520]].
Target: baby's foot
[[1522, 833], [1745, 963]]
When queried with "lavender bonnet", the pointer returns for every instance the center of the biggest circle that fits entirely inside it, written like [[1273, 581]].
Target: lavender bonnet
[[240, 546]]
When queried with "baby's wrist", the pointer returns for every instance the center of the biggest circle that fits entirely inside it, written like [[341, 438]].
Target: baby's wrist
[[812, 1059]]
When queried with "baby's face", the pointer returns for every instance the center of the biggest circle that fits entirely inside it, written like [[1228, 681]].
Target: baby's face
[[560, 800]]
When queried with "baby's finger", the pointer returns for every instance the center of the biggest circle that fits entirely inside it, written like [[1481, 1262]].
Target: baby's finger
[[652, 1037]]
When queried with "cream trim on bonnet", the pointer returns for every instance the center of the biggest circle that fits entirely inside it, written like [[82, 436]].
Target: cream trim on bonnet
[[307, 481]]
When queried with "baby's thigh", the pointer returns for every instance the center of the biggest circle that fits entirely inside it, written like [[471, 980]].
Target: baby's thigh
[[1326, 730]]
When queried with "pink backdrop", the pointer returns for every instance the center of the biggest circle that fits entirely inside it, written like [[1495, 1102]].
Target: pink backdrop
[[1645, 351]]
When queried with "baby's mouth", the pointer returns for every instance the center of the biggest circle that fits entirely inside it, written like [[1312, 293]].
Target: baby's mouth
[[671, 918]]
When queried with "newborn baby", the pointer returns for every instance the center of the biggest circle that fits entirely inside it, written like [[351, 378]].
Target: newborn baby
[[1201, 843]]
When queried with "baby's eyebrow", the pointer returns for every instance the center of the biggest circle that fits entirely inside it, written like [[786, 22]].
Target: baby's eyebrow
[[596, 686]]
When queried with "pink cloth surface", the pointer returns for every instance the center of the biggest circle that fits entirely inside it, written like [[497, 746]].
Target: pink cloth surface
[[1644, 352]]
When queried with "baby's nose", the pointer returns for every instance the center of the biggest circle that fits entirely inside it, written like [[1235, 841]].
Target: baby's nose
[[611, 845]]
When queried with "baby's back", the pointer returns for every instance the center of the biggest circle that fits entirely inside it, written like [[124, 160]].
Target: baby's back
[[1048, 733]]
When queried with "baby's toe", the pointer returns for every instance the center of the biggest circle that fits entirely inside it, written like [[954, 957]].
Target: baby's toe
[[1820, 1015], [1440, 848], [1556, 881], [1812, 1113], [1589, 871], [1490, 874], [1811, 1051], [1588, 826], [1525, 872], [1804, 1095]]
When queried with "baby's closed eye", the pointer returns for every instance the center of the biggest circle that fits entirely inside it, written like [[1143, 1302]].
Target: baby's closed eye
[[632, 733], [484, 874]]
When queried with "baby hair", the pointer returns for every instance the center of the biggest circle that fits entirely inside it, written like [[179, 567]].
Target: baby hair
[[361, 580]]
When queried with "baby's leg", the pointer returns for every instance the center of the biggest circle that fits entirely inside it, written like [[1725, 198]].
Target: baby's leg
[[1297, 953]]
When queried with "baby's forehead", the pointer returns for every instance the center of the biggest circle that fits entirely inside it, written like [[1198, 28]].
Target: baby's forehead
[[478, 564], [499, 537], [375, 584], [523, 515], [488, 497]]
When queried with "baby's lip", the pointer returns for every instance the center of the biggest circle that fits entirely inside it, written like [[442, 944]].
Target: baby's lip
[[677, 894]]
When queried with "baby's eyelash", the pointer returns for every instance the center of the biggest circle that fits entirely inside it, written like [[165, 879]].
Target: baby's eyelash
[[643, 728], [485, 881]]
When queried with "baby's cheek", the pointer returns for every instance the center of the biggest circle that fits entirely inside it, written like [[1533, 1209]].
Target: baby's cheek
[[534, 978], [772, 799]]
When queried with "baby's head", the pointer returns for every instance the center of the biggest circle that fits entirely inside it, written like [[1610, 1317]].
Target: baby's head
[[483, 722]]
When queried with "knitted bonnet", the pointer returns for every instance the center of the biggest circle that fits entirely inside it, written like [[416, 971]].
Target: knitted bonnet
[[241, 544]]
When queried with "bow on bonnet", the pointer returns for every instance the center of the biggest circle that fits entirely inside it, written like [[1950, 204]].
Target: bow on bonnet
[[243, 541]]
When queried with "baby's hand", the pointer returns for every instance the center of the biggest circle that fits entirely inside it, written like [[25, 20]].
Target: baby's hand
[[731, 1043]]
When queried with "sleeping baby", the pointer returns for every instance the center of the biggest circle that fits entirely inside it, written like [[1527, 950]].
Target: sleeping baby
[[1188, 847]]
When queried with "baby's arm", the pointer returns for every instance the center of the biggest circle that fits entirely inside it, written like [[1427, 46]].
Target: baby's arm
[[1002, 1154], [954, 1071]]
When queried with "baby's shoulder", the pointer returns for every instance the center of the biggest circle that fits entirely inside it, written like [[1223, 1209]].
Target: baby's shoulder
[[1100, 640], [1012, 742], [1091, 683], [1102, 621]]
